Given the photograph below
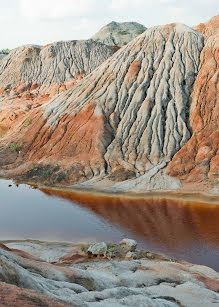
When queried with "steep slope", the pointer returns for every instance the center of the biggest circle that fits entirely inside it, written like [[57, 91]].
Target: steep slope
[[126, 117], [198, 160], [31, 67], [119, 33], [209, 28]]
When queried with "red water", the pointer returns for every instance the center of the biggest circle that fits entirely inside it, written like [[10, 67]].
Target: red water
[[187, 230]]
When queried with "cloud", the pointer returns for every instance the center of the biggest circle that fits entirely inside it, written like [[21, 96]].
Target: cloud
[[132, 4], [55, 9]]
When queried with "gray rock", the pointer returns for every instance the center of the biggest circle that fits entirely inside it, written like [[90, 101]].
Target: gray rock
[[128, 244], [52, 64], [98, 249], [132, 255], [119, 33], [2, 55], [109, 283]]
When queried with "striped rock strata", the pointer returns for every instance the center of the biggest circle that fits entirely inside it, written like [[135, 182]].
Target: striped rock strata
[[131, 116], [100, 281], [198, 160], [59, 64]]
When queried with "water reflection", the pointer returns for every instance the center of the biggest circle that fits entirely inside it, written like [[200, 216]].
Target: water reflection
[[182, 229]]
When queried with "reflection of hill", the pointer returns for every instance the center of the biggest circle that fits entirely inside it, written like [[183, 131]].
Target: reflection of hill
[[172, 223]]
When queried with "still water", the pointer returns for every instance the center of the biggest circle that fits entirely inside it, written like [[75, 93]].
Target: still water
[[180, 229]]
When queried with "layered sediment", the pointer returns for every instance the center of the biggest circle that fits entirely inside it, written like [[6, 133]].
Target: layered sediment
[[58, 64], [62, 275], [151, 105]]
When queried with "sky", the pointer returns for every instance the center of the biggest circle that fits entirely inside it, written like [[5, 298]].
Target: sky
[[44, 21]]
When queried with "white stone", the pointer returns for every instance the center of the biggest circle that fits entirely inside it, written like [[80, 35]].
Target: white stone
[[129, 244], [98, 248]]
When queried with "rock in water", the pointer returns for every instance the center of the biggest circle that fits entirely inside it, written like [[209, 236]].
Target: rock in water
[[29, 67], [119, 33]]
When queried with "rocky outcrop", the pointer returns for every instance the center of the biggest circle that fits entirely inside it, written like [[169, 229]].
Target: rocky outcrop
[[129, 114], [103, 282], [154, 102], [198, 160], [119, 33], [51, 68]]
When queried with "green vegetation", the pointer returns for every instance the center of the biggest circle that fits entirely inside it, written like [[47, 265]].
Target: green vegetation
[[125, 32], [27, 122], [110, 245], [5, 51], [15, 147], [140, 30], [33, 166]]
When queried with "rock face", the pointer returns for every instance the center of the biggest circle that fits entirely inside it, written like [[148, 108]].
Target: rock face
[[198, 160], [119, 34], [59, 64], [154, 101], [129, 114], [142, 282]]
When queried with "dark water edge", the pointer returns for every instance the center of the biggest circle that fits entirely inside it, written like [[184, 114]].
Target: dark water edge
[[185, 230]]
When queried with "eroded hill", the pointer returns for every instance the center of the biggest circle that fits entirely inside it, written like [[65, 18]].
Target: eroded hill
[[154, 101]]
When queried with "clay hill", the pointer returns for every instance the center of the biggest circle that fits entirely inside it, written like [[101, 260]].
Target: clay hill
[[119, 33], [146, 118], [52, 66]]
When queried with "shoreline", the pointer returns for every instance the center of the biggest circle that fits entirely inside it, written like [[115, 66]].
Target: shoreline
[[184, 196]]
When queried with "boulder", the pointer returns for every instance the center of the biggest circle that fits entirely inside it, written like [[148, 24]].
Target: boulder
[[128, 245], [98, 249]]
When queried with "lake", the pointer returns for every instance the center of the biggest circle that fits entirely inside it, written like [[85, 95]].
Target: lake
[[184, 230]]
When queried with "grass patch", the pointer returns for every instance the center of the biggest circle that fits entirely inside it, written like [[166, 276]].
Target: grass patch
[[27, 122], [110, 245], [125, 32], [5, 51], [140, 30], [15, 147]]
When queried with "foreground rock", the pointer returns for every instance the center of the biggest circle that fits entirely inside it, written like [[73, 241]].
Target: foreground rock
[[119, 33], [99, 281]]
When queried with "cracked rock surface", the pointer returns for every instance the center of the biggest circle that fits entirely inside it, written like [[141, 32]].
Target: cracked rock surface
[[35, 282], [56, 63], [198, 160], [130, 113], [145, 119]]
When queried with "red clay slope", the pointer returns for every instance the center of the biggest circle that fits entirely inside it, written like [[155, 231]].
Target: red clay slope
[[198, 160], [154, 101]]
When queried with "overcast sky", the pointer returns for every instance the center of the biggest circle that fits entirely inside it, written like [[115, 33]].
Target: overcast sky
[[44, 21]]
